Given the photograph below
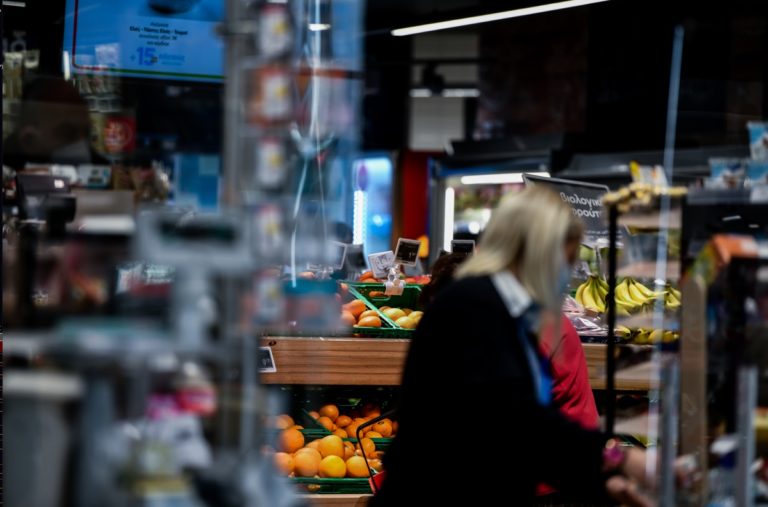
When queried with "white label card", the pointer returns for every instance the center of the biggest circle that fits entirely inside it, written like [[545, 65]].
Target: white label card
[[266, 360], [407, 251], [381, 262]]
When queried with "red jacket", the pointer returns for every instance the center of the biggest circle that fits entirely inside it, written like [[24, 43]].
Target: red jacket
[[571, 391]]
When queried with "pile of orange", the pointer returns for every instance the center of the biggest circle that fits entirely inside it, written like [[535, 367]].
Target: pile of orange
[[328, 457], [356, 313], [345, 425]]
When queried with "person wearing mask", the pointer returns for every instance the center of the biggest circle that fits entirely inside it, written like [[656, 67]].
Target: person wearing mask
[[476, 378]]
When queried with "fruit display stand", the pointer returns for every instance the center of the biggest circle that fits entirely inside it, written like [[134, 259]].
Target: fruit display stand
[[650, 217]]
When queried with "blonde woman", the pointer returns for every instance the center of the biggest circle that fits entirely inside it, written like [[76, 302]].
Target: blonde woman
[[475, 420]]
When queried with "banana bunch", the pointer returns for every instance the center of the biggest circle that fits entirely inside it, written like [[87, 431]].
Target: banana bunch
[[632, 296], [672, 298], [648, 336], [591, 294]]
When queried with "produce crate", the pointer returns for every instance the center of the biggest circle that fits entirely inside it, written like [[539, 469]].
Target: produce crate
[[333, 486], [408, 299]]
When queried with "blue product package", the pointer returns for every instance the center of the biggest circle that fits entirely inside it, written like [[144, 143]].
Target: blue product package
[[758, 140], [757, 172], [196, 180], [727, 172]]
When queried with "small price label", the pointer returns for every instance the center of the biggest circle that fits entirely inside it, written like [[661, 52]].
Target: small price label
[[266, 360], [407, 251], [465, 246], [381, 262]]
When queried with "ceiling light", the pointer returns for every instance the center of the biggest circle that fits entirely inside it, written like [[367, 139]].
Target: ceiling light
[[319, 27], [496, 16], [498, 179], [454, 93]]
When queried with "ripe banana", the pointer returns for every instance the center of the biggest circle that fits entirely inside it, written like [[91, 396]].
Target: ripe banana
[[623, 297], [656, 336], [596, 296], [636, 293]]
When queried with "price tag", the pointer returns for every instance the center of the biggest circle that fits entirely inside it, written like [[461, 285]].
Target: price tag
[[381, 262], [407, 251], [355, 258], [266, 360], [338, 254], [465, 246]]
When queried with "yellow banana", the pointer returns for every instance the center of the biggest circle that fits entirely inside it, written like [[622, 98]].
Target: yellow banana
[[656, 336], [579, 294], [669, 336], [636, 294], [597, 297], [623, 297], [587, 300], [623, 331]]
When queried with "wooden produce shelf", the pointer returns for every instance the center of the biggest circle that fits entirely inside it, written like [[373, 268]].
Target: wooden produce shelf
[[638, 377], [379, 362], [336, 500], [336, 361]]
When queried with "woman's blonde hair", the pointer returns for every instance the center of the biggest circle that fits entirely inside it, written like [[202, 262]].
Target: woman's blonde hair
[[526, 234]]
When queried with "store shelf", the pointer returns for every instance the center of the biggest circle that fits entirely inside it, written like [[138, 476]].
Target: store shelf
[[647, 270], [651, 221], [336, 500], [336, 361], [637, 377], [379, 362]]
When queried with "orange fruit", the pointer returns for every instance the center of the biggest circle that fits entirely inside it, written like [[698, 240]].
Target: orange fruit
[[333, 467], [314, 415], [406, 323], [351, 430], [371, 321], [310, 450], [416, 316], [297, 427], [283, 422], [330, 411], [373, 434], [343, 421], [349, 450], [394, 427], [306, 464], [394, 313], [325, 422], [315, 444], [290, 440], [355, 307], [369, 313], [407, 311], [357, 468], [340, 433], [382, 308], [284, 463], [383, 427], [367, 446], [371, 410], [347, 318], [332, 445], [375, 464]]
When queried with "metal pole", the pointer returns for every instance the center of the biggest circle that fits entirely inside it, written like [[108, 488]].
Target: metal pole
[[745, 419], [610, 360]]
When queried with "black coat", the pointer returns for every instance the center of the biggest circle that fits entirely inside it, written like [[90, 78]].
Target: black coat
[[470, 429]]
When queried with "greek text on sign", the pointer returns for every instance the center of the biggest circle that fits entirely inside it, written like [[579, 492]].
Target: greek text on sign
[[587, 207]]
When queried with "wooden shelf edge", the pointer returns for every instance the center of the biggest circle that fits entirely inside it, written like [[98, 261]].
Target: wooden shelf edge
[[332, 500]]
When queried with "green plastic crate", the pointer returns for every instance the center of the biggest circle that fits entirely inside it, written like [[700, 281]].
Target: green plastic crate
[[335, 486], [408, 299]]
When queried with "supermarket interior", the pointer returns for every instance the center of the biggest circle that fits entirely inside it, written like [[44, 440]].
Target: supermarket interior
[[337, 253]]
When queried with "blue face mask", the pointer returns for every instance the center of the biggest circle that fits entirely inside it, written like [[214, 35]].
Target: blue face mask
[[564, 278]]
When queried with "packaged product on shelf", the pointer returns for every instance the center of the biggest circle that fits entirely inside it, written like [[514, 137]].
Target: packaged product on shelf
[[758, 140], [757, 172], [727, 172]]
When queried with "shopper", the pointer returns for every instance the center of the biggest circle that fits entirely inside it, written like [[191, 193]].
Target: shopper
[[441, 277], [475, 416]]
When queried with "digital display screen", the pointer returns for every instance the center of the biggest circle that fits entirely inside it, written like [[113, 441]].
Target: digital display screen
[[161, 39]]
